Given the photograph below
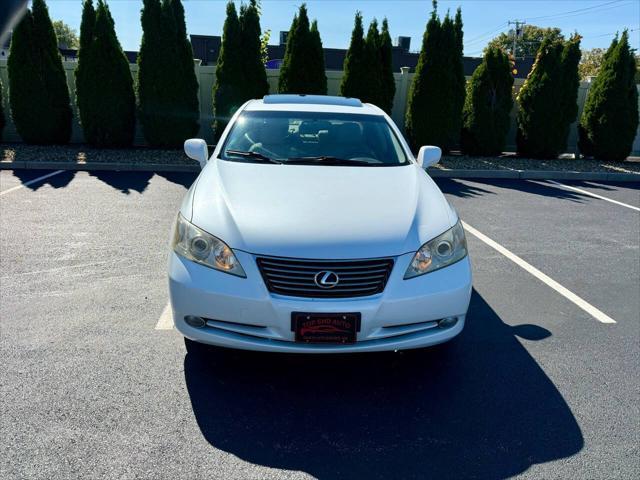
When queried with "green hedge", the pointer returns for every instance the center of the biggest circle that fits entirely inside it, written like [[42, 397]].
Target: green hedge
[[104, 86], [38, 92], [548, 99], [167, 84], [610, 117], [436, 97], [300, 71], [487, 105]]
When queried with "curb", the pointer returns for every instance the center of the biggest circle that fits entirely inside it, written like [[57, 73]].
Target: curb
[[433, 172]]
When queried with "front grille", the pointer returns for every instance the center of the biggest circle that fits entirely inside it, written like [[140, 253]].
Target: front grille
[[296, 277]]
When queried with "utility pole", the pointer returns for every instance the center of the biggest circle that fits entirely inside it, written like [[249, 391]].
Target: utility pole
[[517, 33]]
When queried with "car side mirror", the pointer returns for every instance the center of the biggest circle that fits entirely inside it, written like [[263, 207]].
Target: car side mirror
[[196, 148], [428, 156]]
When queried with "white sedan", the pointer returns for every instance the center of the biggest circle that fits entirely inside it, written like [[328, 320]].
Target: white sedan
[[313, 229]]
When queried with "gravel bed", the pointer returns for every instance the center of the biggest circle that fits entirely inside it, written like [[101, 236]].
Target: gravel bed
[[79, 153], [566, 163]]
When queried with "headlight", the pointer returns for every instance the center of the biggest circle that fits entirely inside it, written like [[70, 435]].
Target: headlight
[[198, 246], [443, 250]]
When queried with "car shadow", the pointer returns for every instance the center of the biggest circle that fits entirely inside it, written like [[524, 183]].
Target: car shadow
[[478, 407]]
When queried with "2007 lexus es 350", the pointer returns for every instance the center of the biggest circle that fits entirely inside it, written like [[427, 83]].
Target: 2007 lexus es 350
[[313, 229]]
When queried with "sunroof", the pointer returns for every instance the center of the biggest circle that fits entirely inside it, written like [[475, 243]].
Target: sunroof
[[313, 100]]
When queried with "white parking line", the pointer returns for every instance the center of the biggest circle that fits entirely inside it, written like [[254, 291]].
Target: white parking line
[[590, 309], [562, 186], [165, 322], [35, 180]]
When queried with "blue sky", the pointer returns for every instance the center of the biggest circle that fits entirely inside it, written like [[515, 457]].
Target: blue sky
[[596, 20]]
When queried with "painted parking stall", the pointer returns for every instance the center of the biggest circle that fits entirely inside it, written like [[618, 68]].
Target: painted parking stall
[[96, 375]]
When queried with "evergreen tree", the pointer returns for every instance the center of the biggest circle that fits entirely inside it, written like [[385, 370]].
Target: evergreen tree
[[167, 84], [38, 91], [355, 76], [434, 107], [610, 116], [460, 82], [299, 72], [254, 73], [318, 73], [388, 81], [83, 83], [227, 91], [2, 121], [373, 65], [487, 105], [185, 105], [106, 99], [547, 100]]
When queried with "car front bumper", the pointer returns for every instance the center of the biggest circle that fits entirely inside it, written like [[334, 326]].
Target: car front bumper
[[242, 313]]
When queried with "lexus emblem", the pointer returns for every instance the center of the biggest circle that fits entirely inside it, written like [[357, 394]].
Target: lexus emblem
[[326, 279]]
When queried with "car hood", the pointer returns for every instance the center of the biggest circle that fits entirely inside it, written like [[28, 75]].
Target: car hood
[[326, 212]]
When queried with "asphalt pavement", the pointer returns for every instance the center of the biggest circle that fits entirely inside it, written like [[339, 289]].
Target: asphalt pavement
[[536, 386]]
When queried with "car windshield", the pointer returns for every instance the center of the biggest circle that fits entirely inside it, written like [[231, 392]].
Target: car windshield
[[313, 138]]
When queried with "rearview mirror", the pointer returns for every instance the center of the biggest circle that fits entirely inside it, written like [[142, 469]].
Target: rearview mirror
[[428, 156], [196, 148]]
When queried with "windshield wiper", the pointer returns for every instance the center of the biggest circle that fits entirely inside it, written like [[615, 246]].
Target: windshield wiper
[[326, 160], [253, 155]]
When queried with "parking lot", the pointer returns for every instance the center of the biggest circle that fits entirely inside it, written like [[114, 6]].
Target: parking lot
[[542, 383]]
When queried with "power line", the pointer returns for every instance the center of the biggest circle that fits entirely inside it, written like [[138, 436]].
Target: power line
[[579, 11], [609, 34]]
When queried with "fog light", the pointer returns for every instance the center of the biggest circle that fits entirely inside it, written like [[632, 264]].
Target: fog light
[[196, 322], [448, 322]]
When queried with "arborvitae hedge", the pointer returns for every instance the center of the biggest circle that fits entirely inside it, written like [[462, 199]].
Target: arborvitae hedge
[[487, 105], [240, 73], [434, 109], [460, 81], [610, 116], [318, 73], [388, 81], [227, 91], [299, 72], [38, 91], [83, 82], [106, 100], [167, 83], [254, 73], [373, 65], [2, 121], [547, 100], [355, 76]]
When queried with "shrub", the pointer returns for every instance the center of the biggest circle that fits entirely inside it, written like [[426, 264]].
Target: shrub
[[106, 100], [610, 116], [227, 91], [388, 81], [240, 72], [167, 84], [2, 122], [434, 109], [254, 74], [38, 92], [547, 99], [373, 65], [299, 72], [355, 77], [487, 105], [318, 75]]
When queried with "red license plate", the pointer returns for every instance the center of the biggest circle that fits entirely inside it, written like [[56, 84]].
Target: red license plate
[[333, 328]]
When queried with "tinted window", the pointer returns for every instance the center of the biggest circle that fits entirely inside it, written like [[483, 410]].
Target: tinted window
[[288, 135]]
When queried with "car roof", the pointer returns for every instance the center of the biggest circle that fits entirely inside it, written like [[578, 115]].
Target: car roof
[[312, 103]]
